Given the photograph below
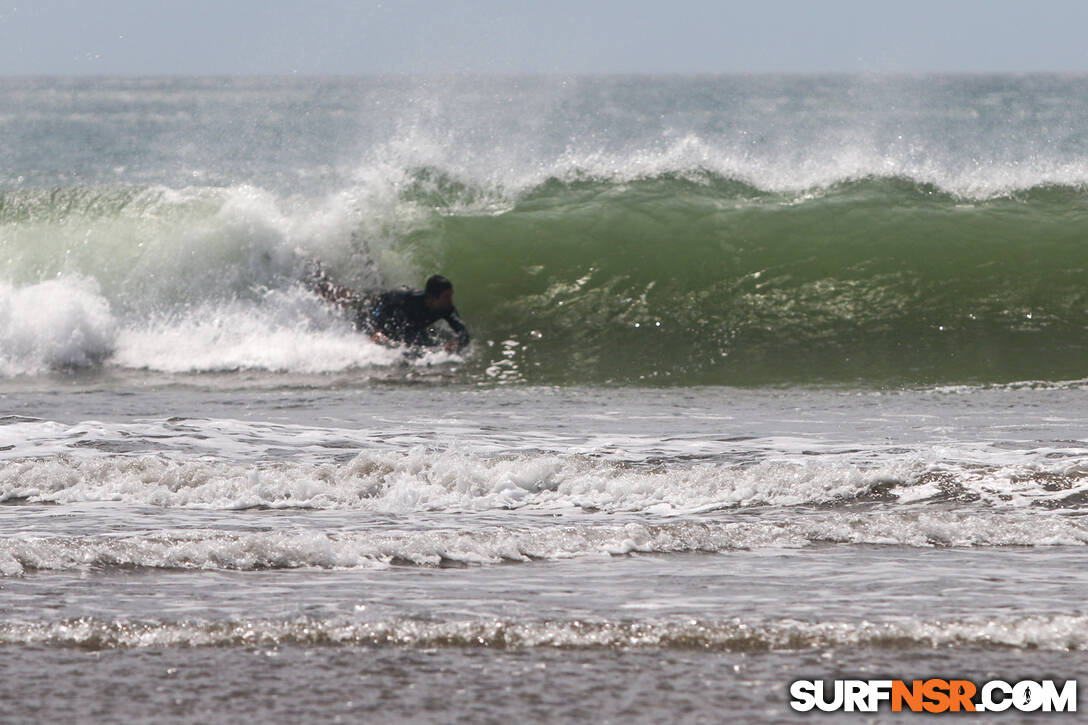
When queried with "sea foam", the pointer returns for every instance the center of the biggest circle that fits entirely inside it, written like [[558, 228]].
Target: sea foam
[[60, 323]]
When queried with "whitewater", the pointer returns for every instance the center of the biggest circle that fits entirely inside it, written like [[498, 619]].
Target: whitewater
[[772, 378]]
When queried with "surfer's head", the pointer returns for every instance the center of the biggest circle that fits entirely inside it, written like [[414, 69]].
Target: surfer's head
[[438, 294]]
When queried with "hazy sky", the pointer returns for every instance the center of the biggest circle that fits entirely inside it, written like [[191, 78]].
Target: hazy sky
[[566, 36]]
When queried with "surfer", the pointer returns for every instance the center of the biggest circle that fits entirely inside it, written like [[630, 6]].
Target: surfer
[[403, 316]]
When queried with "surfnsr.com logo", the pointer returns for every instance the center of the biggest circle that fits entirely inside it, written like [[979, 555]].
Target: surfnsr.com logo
[[933, 695]]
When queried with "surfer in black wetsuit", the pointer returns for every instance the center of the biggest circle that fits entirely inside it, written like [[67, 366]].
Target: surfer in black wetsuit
[[402, 316]]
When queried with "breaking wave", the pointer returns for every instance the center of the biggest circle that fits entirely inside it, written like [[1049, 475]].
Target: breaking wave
[[681, 278]]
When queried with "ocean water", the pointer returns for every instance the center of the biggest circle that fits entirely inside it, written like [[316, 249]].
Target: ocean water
[[773, 378]]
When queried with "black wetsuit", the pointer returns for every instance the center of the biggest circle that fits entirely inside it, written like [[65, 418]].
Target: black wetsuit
[[402, 315]]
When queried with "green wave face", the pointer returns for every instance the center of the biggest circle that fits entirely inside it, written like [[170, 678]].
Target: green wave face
[[708, 281]]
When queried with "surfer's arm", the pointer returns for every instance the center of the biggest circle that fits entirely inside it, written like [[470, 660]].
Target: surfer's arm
[[318, 281], [458, 327], [335, 294]]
